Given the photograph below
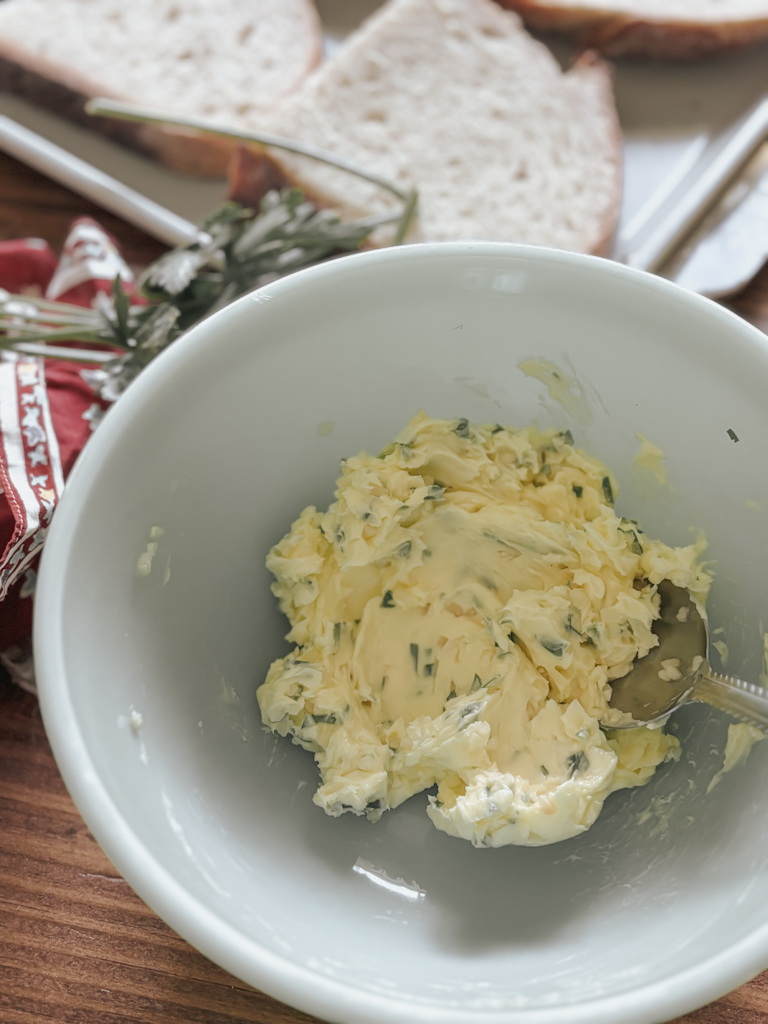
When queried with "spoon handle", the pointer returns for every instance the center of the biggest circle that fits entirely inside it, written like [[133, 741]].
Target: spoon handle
[[742, 700]]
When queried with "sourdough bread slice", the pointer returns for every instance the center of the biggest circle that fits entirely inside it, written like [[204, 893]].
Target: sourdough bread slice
[[664, 29], [454, 97], [230, 61]]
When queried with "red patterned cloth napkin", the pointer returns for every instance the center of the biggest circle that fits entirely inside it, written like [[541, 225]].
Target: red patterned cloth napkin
[[47, 413]]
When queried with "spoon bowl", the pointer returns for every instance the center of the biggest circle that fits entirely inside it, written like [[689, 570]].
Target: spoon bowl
[[677, 671]]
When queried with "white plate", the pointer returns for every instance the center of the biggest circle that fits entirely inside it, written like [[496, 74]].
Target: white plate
[[672, 115]]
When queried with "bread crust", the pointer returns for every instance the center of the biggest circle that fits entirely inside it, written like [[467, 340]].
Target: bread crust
[[621, 35], [683, 41], [253, 173]]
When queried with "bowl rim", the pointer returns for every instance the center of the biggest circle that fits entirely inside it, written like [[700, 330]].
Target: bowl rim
[[294, 984]]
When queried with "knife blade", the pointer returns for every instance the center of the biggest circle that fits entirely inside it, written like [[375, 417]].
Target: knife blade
[[730, 245], [672, 220]]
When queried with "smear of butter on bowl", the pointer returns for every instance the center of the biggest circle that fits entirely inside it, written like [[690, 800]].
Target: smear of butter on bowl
[[145, 559], [660, 811], [651, 458], [565, 390], [722, 649], [741, 739]]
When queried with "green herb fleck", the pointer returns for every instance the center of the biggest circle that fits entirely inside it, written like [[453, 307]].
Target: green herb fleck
[[556, 647], [462, 428], [544, 770], [633, 541], [732, 434], [415, 656], [404, 551], [577, 489], [570, 626], [476, 683], [468, 714], [388, 601], [435, 493], [577, 762], [608, 490]]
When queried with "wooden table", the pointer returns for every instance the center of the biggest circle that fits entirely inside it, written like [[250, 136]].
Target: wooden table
[[77, 946]]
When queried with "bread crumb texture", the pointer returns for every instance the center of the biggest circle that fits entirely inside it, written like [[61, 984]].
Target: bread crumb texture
[[230, 61], [455, 98]]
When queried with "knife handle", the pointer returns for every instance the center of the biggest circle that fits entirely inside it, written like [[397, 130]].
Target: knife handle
[[88, 181]]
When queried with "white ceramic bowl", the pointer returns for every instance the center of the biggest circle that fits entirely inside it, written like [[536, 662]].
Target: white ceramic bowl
[[661, 906]]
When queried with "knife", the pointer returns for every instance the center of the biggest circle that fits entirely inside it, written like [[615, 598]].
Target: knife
[[674, 217], [730, 245], [86, 180]]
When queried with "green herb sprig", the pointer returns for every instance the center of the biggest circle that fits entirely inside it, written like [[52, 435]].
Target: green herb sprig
[[237, 253]]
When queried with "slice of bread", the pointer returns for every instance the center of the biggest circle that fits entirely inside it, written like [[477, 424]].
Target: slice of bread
[[230, 61], [454, 97], [664, 29]]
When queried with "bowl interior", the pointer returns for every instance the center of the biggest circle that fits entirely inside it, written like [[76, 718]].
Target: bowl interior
[[221, 443]]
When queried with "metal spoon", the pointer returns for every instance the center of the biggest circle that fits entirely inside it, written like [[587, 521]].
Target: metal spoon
[[677, 671]]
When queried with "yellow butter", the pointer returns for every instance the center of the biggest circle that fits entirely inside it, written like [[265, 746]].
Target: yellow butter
[[459, 613]]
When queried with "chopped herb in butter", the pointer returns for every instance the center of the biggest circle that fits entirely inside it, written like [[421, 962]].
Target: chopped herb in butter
[[458, 615]]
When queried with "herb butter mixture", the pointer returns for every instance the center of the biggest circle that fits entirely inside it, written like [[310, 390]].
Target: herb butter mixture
[[459, 613]]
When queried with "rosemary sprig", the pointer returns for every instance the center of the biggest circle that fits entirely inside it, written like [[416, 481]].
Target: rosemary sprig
[[234, 253], [238, 253]]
